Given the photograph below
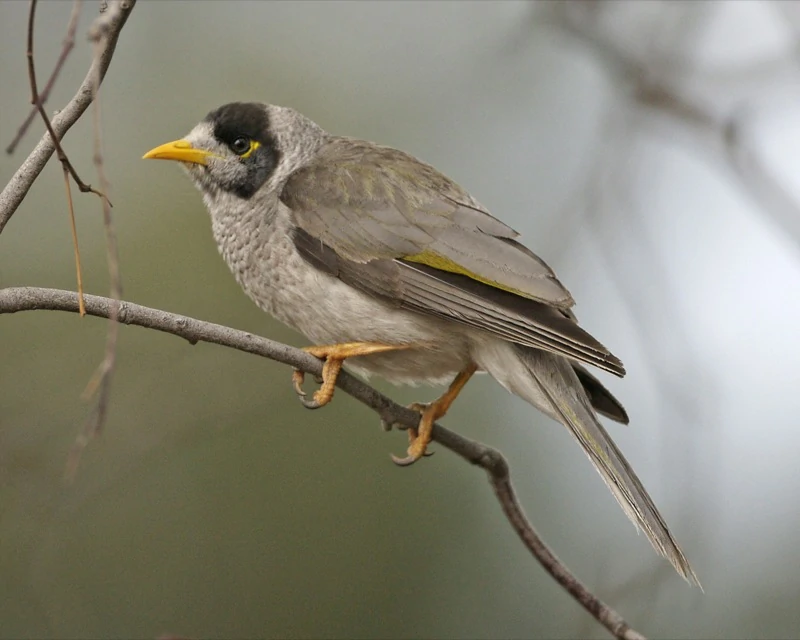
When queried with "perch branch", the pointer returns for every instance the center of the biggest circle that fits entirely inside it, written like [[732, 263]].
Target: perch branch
[[16, 299], [17, 188]]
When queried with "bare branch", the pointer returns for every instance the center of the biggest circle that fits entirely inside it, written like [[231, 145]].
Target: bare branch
[[69, 43], [16, 299], [37, 102], [17, 188], [500, 479]]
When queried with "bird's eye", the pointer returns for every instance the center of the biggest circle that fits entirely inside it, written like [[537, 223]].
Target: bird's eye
[[241, 145]]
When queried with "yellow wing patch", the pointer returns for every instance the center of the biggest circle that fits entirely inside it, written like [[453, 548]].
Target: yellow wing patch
[[431, 259]]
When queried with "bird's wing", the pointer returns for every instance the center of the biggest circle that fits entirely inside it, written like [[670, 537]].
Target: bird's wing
[[460, 298], [397, 229], [368, 202]]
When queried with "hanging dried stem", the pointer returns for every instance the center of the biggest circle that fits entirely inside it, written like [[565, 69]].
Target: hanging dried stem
[[101, 380], [74, 231], [69, 170]]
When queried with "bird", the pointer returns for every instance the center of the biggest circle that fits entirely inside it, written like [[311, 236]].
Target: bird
[[390, 268]]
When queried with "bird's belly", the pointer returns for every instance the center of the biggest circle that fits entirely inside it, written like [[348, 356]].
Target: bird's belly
[[327, 311]]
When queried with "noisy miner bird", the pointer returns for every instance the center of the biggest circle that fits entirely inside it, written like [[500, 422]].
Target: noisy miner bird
[[385, 263]]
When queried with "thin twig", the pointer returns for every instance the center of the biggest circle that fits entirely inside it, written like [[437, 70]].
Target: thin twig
[[66, 165], [102, 378], [37, 102], [492, 461], [17, 188], [605, 615], [69, 43], [74, 230]]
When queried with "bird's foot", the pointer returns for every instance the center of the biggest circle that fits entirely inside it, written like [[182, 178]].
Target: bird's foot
[[334, 356], [420, 437]]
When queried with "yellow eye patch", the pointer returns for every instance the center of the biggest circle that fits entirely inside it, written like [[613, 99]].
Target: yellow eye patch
[[254, 144]]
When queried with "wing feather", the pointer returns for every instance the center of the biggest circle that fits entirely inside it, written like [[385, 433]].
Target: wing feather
[[459, 298], [369, 202]]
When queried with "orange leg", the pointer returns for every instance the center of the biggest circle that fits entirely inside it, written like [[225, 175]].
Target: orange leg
[[334, 356], [420, 438]]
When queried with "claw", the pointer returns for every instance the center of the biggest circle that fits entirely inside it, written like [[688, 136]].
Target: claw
[[333, 356], [417, 448], [403, 462], [310, 404], [297, 382], [420, 437], [410, 458]]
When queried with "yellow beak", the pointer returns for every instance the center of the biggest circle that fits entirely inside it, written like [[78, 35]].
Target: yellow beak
[[181, 150]]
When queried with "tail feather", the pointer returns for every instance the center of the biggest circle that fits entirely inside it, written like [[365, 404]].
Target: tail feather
[[553, 381], [602, 400]]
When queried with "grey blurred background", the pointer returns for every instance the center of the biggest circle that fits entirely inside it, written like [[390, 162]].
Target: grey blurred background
[[646, 150]]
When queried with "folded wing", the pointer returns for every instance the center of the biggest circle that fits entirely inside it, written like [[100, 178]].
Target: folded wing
[[459, 298], [368, 202]]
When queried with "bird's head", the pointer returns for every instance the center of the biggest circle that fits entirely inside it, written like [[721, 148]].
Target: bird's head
[[243, 147]]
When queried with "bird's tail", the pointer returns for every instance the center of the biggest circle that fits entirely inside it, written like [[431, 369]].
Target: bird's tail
[[550, 383]]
